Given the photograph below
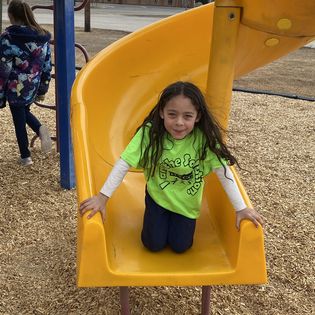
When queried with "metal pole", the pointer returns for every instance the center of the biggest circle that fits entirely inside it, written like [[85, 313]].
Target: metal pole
[[87, 17], [205, 300], [124, 300], [65, 75]]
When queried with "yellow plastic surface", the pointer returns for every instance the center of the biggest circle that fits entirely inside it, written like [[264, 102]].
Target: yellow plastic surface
[[113, 94]]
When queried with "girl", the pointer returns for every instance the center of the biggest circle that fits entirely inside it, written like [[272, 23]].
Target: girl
[[25, 74], [177, 145]]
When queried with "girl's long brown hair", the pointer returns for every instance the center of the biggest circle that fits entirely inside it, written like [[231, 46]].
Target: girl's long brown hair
[[22, 13], [207, 124]]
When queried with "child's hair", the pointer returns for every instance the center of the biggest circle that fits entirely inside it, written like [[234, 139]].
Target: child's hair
[[21, 12], [207, 124]]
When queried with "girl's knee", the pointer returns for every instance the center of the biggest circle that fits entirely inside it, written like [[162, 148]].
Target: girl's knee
[[180, 248], [153, 247], [152, 244]]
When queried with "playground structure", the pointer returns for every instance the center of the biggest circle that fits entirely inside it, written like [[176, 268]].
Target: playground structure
[[210, 46]]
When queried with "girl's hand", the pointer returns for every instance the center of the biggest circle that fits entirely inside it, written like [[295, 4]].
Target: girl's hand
[[249, 214], [95, 203]]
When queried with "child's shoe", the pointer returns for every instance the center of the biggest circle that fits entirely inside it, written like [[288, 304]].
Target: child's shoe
[[44, 136], [26, 161]]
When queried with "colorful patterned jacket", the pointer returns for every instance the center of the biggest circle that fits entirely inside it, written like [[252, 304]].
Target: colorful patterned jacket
[[25, 65]]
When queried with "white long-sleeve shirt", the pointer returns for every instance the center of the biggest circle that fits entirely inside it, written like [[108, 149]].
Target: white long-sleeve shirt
[[121, 168]]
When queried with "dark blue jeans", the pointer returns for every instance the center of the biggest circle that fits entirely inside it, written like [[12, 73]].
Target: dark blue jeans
[[162, 227], [22, 116]]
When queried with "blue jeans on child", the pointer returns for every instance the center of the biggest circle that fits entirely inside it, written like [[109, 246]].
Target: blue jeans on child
[[162, 227], [22, 116]]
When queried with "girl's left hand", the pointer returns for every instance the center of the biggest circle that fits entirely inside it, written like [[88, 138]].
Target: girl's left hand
[[249, 214]]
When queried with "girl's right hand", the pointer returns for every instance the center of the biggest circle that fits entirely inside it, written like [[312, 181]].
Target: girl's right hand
[[95, 203]]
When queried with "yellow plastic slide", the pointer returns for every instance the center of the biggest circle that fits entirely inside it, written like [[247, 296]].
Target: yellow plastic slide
[[210, 46]]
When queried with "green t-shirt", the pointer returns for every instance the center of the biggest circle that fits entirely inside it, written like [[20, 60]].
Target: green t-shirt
[[177, 184]]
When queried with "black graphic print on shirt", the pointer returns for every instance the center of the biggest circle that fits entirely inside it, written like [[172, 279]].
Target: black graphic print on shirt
[[181, 171]]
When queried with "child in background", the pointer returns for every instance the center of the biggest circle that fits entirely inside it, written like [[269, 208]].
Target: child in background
[[177, 145], [25, 74]]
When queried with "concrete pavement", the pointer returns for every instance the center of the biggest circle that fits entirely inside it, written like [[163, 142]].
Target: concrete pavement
[[109, 16]]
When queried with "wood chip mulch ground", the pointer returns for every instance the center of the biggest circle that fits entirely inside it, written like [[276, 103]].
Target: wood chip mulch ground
[[274, 140]]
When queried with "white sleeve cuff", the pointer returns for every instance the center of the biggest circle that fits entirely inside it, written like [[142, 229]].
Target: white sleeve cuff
[[231, 188], [115, 178]]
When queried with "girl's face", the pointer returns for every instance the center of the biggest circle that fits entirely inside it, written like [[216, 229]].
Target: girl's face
[[180, 116]]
